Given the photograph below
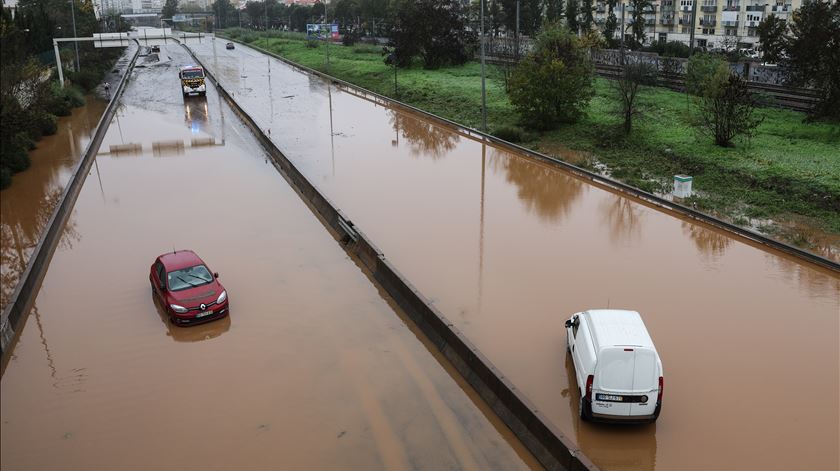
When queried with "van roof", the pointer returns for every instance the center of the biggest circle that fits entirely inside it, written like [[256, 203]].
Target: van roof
[[616, 327]]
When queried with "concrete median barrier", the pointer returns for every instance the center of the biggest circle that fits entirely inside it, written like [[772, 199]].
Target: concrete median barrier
[[548, 445]]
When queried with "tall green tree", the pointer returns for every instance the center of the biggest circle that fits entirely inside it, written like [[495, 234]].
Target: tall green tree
[[170, 8], [639, 7], [771, 35], [813, 50], [224, 12], [587, 20], [555, 10], [572, 21], [553, 83], [610, 24], [435, 31]]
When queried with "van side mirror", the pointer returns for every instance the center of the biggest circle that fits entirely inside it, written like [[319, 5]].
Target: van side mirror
[[568, 323]]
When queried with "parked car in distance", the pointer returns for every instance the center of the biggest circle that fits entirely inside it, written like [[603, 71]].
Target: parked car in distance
[[187, 289], [618, 370], [229, 46], [155, 48]]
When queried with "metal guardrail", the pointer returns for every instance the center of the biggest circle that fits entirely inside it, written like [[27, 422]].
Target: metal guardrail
[[30, 282], [604, 182]]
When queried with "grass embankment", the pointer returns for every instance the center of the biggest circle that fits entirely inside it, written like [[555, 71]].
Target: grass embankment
[[788, 170]]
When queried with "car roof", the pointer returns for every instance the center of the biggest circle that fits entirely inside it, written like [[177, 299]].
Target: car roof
[[611, 327], [180, 259]]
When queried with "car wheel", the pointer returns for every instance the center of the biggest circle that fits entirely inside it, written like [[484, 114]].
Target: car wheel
[[585, 410]]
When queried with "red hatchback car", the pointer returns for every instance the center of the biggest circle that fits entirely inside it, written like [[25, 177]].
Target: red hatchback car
[[187, 289]]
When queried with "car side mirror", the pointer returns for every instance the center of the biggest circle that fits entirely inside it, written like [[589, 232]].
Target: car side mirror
[[216, 275]]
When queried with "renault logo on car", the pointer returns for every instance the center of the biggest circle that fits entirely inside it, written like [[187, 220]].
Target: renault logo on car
[[203, 306]]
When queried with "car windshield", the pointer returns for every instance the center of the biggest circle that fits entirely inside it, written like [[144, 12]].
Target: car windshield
[[188, 74], [189, 278]]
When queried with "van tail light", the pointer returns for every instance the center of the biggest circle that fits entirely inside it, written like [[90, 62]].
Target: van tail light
[[589, 380], [661, 386]]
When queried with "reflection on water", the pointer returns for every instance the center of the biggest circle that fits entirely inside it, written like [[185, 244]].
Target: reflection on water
[[194, 333], [543, 190], [20, 232], [426, 139], [196, 114], [616, 447], [710, 243], [623, 217]]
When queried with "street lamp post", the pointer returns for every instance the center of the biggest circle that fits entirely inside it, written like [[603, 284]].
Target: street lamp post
[[483, 86], [76, 44]]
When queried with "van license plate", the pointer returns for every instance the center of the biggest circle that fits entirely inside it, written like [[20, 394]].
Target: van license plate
[[609, 397]]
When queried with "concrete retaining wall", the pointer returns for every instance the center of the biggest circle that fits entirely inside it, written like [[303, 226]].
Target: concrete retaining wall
[[27, 288], [551, 448]]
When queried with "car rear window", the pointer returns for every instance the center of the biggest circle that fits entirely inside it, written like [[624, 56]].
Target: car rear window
[[189, 278]]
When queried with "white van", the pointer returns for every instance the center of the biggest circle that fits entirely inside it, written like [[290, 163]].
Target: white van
[[618, 370]]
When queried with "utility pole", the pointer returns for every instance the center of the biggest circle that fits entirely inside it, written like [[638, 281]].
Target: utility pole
[[691, 36], [517, 31], [76, 44], [329, 32], [483, 86], [622, 32]]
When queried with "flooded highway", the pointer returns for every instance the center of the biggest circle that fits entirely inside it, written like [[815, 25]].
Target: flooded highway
[[26, 206], [313, 369], [508, 247]]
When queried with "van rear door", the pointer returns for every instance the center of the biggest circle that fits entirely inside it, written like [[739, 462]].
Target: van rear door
[[623, 375], [613, 381], [645, 381]]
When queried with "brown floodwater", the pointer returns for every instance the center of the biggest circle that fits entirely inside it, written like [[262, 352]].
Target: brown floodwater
[[313, 369], [27, 205], [508, 248]]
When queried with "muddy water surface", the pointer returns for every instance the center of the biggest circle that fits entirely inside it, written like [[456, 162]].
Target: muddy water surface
[[508, 248], [27, 205], [312, 370]]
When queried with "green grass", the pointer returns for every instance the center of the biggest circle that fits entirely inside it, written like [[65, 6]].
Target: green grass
[[788, 168]]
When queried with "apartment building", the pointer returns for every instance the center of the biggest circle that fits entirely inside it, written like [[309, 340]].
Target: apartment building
[[718, 23]]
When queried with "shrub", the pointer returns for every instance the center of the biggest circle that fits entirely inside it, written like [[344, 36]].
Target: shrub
[[312, 43], [13, 156], [705, 74], [510, 133], [350, 37], [552, 84], [629, 85], [5, 178], [46, 123], [728, 111], [87, 79]]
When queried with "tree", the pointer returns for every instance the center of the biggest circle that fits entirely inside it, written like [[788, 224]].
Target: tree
[[572, 16], [553, 83], [727, 111], [587, 9], [705, 73], [637, 16], [435, 31], [771, 35], [170, 8], [813, 50], [223, 10], [628, 87], [610, 24], [555, 10]]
